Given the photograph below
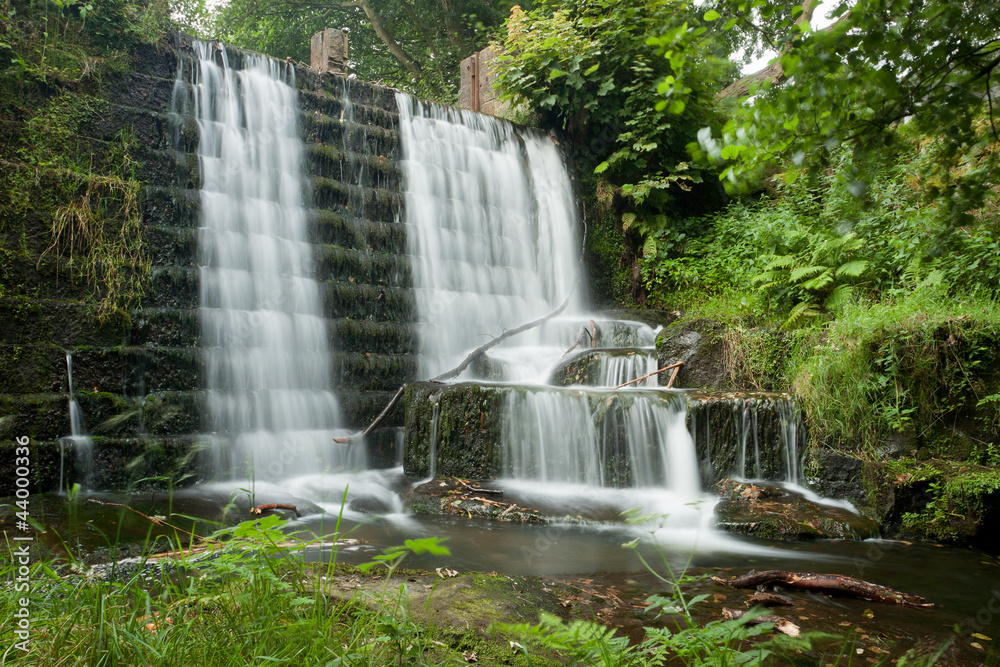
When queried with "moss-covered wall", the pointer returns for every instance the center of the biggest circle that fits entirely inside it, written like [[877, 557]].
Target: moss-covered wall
[[138, 371]]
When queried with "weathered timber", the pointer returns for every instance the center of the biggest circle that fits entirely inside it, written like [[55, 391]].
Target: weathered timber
[[824, 583]]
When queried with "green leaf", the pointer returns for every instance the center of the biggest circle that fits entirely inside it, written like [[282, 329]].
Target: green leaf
[[430, 545], [730, 152], [591, 69], [627, 221], [601, 168], [556, 73], [712, 15], [676, 107], [839, 297], [649, 247], [852, 269], [801, 272], [820, 281]]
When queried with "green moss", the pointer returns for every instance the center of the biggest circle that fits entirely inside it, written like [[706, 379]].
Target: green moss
[[941, 500]]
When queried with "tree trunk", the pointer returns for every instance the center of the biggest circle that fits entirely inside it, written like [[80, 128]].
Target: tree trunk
[[453, 34]]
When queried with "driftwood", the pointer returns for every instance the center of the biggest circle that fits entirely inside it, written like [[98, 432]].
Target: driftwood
[[377, 420], [665, 368], [476, 489], [781, 624], [824, 583], [479, 351], [152, 519], [584, 336], [274, 506]]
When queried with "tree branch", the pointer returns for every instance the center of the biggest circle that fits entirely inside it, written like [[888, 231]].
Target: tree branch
[[774, 72], [376, 21]]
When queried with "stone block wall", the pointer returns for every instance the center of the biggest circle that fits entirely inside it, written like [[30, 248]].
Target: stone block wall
[[139, 382]]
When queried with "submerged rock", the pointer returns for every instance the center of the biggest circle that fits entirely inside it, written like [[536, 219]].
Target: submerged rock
[[773, 512]]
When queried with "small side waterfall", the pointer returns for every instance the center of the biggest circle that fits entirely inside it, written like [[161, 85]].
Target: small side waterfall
[[78, 439], [270, 407]]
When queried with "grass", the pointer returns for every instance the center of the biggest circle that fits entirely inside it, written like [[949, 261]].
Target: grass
[[249, 599], [900, 365]]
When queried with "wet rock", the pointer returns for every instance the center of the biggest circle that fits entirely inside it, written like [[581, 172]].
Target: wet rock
[[586, 367], [698, 344], [772, 512], [833, 474], [649, 316], [462, 497]]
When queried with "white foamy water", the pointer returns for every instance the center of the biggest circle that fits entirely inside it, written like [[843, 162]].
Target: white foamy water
[[616, 370], [491, 228], [78, 439], [271, 411]]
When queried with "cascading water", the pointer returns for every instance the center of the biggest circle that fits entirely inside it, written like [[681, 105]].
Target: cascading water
[[271, 411], [81, 442], [492, 235], [617, 370]]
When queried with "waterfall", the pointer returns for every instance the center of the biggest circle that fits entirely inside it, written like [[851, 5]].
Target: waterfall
[[616, 370], [81, 442], [491, 225], [270, 409], [549, 436]]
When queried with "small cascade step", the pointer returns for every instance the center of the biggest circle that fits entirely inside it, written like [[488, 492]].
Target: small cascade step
[[607, 367], [361, 267], [592, 436]]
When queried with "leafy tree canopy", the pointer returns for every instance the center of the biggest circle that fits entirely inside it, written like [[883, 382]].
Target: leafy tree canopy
[[413, 44], [882, 64], [585, 68]]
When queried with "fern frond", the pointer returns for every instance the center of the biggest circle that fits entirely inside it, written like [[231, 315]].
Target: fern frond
[[840, 295], [780, 262], [820, 281], [801, 312], [801, 272], [852, 269]]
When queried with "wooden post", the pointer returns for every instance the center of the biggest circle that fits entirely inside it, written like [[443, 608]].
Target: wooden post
[[474, 81]]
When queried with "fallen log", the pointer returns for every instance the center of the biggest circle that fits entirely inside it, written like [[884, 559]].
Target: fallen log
[[481, 350], [378, 420], [781, 624], [476, 489], [824, 583], [455, 372]]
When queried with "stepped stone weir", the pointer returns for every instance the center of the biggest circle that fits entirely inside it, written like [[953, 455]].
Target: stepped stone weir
[[356, 202], [685, 441], [271, 410]]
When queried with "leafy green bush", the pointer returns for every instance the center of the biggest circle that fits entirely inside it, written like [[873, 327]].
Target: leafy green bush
[[860, 230]]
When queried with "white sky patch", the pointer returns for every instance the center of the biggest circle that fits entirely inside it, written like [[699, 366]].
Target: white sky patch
[[820, 20]]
